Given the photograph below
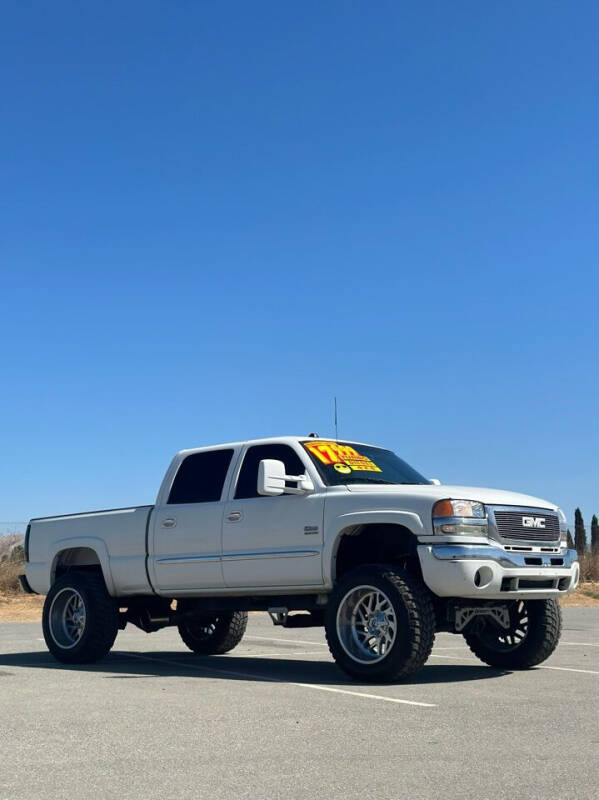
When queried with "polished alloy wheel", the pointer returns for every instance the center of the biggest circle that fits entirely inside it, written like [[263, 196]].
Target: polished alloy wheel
[[67, 618], [366, 624], [513, 638]]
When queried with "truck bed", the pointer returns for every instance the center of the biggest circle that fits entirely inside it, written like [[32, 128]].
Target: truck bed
[[83, 539]]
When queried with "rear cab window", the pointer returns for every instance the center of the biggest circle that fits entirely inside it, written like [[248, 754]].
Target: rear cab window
[[340, 463], [201, 477]]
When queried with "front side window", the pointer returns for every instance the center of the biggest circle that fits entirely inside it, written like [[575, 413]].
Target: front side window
[[201, 477], [247, 483], [346, 462]]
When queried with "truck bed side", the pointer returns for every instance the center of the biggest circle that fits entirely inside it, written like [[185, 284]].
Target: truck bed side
[[115, 540]]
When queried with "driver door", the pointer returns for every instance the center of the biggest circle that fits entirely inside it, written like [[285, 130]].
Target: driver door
[[272, 541]]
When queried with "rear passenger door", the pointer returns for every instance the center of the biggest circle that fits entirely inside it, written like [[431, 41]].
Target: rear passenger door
[[272, 541], [186, 552]]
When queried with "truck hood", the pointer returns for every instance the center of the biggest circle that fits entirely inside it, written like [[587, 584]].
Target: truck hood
[[433, 493]]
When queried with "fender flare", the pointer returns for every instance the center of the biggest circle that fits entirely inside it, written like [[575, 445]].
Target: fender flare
[[407, 519], [91, 543]]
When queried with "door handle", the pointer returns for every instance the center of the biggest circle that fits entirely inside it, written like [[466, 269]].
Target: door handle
[[170, 522], [234, 516]]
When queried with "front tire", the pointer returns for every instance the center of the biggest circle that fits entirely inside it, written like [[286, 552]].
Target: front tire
[[80, 619], [214, 634], [533, 636], [380, 624]]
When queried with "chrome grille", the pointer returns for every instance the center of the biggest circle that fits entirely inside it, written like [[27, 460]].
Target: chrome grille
[[522, 525]]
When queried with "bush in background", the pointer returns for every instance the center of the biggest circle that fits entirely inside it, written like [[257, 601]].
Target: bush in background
[[12, 563], [9, 576], [8, 543], [589, 566]]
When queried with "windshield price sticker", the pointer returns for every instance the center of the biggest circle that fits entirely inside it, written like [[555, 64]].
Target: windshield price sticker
[[341, 457]]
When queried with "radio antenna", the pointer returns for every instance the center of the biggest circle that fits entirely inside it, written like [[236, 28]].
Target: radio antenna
[[336, 432]]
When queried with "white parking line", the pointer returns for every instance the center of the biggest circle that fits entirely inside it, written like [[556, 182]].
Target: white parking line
[[571, 669], [541, 666], [363, 694], [286, 641], [316, 686], [455, 658], [579, 644], [237, 654], [322, 644]]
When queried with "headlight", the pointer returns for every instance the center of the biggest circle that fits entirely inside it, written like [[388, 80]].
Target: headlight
[[467, 517], [563, 527], [459, 508]]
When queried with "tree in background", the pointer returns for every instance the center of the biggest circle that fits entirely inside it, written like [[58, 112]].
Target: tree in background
[[570, 540], [17, 553], [595, 535], [580, 537]]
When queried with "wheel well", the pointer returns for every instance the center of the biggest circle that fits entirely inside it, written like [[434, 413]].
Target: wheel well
[[376, 544], [79, 558]]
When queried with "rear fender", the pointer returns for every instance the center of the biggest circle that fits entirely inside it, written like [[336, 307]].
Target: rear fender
[[91, 543]]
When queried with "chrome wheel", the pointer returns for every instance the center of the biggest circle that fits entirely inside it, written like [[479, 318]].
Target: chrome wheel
[[366, 624], [67, 618]]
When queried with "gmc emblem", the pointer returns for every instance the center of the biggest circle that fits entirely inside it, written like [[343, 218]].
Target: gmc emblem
[[533, 522]]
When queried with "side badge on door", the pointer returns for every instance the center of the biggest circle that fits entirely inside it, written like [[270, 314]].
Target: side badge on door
[[310, 529]]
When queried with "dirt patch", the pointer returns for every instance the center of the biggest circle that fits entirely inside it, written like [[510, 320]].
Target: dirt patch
[[587, 594], [15, 606], [21, 608]]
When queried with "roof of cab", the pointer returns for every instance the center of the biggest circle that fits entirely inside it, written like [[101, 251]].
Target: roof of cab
[[267, 440]]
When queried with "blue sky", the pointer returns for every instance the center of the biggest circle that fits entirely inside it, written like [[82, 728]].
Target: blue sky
[[215, 217]]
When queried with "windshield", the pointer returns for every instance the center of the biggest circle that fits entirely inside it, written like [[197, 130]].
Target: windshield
[[345, 462]]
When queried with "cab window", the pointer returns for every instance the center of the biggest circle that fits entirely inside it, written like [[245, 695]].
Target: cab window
[[248, 476], [201, 477]]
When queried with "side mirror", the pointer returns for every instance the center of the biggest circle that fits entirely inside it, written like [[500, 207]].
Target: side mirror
[[435, 481], [272, 479]]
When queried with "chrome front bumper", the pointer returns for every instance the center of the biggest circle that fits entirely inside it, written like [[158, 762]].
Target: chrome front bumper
[[489, 572]]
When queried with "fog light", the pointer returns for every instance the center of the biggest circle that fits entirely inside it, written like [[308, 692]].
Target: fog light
[[483, 577]]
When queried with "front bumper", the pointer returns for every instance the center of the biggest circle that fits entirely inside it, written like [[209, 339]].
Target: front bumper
[[492, 573]]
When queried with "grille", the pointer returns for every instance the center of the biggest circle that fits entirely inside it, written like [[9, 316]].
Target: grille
[[511, 526]]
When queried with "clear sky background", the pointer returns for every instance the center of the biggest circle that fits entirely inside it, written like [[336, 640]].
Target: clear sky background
[[214, 217]]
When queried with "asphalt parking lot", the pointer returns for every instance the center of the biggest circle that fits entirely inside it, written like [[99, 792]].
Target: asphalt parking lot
[[276, 719]]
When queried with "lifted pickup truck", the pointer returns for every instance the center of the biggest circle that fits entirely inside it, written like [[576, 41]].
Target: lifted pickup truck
[[347, 533]]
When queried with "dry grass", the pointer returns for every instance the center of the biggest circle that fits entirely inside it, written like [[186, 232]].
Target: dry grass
[[7, 542], [587, 594], [589, 567], [9, 577], [14, 605]]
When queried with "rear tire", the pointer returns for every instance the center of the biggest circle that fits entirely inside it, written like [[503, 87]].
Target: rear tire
[[214, 634], [380, 624], [534, 635], [80, 619]]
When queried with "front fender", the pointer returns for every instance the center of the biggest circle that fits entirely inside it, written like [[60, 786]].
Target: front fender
[[407, 519]]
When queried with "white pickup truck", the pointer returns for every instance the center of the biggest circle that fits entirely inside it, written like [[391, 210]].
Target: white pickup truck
[[347, 533]]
